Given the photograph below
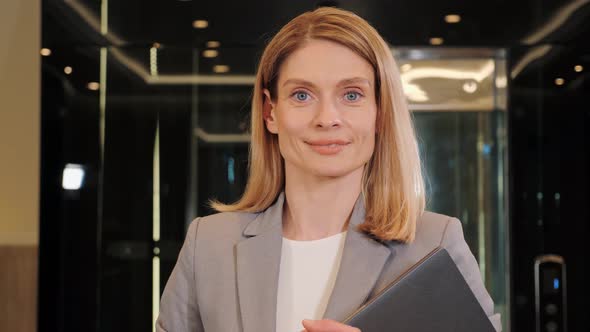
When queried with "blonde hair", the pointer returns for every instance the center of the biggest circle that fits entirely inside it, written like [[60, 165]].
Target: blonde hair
[[393, 186]]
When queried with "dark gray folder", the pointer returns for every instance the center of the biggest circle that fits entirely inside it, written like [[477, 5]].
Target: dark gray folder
[[430, 296]]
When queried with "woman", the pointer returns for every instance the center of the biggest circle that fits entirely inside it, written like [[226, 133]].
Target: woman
[[334, 206]]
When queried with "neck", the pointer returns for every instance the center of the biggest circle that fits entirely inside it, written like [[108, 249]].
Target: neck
[[318, 207]]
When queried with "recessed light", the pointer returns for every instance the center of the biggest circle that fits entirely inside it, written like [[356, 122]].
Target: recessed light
[[578, 68], [559, 81], [452, 18], [213, 44], [93, 86], [45, 52], [200, 24], [221, 69], [68, 70], [436, 41], [210, 53], [469, 87]]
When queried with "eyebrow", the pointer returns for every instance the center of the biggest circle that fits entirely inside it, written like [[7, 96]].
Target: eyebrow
[[346, 81]]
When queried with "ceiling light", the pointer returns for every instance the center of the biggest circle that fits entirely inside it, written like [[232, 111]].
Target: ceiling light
[[45, 52], [213, 44], [200, 24], [469, 87], [405, 67], [436, 41], [210, 53], [221, 69], [68, 70], [578, 68], [452, 18], [93, 86], [559, 81]]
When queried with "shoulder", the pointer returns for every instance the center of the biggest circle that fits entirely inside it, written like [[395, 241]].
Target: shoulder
[[434, 229], [220, 226], [431, 231]]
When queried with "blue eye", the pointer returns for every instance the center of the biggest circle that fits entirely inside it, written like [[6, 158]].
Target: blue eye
[[301, 95], [352, 96]]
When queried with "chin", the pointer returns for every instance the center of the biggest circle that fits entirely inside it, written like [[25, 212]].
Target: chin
[[333, 171]]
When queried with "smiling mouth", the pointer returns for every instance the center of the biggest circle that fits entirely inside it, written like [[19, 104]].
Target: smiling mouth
[[328, 147], [328, 142]]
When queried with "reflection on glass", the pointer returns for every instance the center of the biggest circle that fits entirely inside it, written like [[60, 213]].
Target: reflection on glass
[[73, 177], [156, 229]]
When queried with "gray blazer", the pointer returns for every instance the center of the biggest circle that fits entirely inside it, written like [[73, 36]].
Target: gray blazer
[[226, 276]]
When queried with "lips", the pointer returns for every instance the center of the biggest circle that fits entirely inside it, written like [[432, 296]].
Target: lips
[[328, 146]]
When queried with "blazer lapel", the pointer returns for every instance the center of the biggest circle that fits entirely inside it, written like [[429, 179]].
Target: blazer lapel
[[257, 268], [362, 262], [258, 263]]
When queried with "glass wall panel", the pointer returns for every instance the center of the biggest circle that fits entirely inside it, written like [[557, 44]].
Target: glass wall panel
[[458, 98]]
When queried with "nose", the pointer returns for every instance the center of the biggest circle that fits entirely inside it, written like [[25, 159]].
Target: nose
[[327, 116]]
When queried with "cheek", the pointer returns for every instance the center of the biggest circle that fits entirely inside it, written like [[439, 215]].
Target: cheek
[[291, 123], [291, 127], [367, 132], [365, 125]]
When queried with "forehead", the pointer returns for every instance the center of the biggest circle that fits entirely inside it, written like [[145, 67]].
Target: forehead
[[324, 62]]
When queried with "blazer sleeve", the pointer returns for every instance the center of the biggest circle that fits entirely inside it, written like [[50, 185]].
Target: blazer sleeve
[[454, 242], [179, 310]]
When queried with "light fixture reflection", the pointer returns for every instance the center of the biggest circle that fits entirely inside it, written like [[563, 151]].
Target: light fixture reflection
[[436, 41], [210, 53], [452, 18], [221, 69], [68, 70], [72, 177], [94, 86], [200, 24], [470, 87], [405, 67], [415, 93], [559, 81], [45, 52], [501, 82], [154, 61], [213, 44], [474, 77], [478, 75], [578, 68]]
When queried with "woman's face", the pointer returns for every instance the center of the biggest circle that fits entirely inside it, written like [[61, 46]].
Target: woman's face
[[325, 110]]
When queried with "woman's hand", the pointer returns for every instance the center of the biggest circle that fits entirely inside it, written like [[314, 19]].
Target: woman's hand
[[327, 325]]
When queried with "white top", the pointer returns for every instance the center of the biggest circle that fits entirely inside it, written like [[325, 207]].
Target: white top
[[307, 275]]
